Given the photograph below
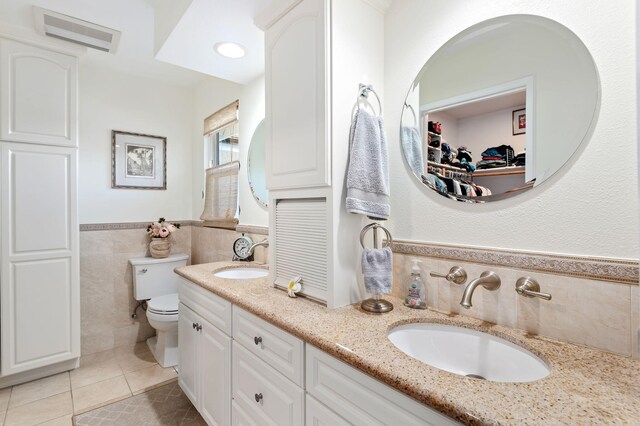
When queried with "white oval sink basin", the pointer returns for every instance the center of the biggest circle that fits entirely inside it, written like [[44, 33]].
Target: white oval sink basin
[[468, 352], [242, 273]]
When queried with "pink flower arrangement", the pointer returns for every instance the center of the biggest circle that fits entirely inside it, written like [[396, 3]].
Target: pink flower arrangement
[[161, 228]]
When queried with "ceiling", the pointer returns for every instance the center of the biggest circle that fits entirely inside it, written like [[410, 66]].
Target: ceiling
[[185, 58]]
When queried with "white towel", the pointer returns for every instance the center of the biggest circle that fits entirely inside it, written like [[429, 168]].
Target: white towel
[[376, 268], [368, 173], [412, 148]]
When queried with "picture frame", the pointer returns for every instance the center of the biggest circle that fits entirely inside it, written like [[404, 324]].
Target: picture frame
[[138, 161], [519, 121]]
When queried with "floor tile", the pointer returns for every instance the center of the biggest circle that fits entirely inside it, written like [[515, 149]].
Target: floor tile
[[164, 406], [135, 361], [60, 421], [39, 389], [98, 394], [149, 378], [95, 370], [5, 394], [40, 411]]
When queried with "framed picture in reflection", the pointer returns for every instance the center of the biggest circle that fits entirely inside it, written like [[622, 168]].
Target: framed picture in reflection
[[519, 118]]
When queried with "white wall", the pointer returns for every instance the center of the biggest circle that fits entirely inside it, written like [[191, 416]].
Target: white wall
[[251, 114], [483, 131], [209, 96], [110, 100], [590, 207]]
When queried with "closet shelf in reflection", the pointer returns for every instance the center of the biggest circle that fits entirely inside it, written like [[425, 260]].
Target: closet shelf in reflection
[[500, 171]]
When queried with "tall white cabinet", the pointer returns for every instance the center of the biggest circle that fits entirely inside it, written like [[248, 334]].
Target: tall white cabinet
[[39, 262], [317, 53]]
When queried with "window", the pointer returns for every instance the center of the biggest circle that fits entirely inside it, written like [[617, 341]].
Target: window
[[221, 154], [221, 136]]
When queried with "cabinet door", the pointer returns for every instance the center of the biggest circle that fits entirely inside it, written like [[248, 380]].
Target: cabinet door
[[263, 393], [214, 372], [297, 91], [188, 353], [319, 415], [40, 298], [38, 95]]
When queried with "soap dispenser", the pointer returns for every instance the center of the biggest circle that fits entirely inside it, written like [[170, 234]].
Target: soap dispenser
[[417, 294]]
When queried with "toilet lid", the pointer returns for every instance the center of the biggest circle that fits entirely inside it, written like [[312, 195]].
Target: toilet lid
[[167, 303]]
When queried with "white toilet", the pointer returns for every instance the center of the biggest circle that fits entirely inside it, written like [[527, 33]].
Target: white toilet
[[155, 282]]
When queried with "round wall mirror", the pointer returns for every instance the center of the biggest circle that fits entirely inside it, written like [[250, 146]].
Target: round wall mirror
[[256, 166], [499, 108]]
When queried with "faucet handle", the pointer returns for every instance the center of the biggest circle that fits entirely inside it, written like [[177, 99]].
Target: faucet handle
[[456, 275], [528, 287]]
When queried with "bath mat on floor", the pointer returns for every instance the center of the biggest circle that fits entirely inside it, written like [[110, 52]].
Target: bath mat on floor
[[163, 406]]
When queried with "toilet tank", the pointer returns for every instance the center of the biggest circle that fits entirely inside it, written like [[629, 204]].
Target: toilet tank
[[155, 277]]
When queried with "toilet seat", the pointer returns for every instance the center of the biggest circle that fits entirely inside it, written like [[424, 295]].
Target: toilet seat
[[163, 305]]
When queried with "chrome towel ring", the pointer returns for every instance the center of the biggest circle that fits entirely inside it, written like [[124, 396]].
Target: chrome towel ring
[[375, 227]]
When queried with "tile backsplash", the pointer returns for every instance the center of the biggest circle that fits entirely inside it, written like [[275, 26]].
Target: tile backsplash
[[587, 312]]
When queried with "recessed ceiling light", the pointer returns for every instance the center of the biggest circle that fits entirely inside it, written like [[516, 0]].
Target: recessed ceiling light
[[229, 49]]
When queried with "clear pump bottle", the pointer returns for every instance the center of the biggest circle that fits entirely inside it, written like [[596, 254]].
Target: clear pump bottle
[[417, 294]]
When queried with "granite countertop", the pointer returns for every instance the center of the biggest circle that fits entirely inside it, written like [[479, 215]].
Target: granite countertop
[[586, 386]]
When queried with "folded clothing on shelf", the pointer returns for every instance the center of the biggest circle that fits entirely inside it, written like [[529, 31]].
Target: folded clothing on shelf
[[490, 164]]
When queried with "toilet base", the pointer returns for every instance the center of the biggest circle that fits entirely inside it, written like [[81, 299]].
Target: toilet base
[[164, 348]]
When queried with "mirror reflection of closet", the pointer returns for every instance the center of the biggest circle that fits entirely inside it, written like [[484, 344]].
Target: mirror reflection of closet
[[256, 166], [499, 108]]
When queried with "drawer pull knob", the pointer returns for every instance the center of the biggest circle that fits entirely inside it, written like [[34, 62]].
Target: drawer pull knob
[[144, 271], [199, 327], [257, 340], [194, 325], [258, 397]]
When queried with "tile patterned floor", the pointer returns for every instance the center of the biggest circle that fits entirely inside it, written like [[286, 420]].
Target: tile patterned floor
[[166, 405], [102, 378]]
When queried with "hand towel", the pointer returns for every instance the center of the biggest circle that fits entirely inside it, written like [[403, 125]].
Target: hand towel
[[368, 172], [376, 268], [412, 148]]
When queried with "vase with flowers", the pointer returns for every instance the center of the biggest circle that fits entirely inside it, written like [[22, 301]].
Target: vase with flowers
[[159, 231]]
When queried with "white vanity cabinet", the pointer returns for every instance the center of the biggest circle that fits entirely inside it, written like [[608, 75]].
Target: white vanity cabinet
[[38, 95], [39, 242], [205, 352], [359, 399], [268, 371], [296, 100]]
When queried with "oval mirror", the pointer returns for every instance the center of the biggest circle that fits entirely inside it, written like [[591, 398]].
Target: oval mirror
[[256, 166], [499, 108]]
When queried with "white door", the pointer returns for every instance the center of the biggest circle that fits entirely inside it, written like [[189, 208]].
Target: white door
[[215, 375], [39, 272], [38, 95], [188, 352]]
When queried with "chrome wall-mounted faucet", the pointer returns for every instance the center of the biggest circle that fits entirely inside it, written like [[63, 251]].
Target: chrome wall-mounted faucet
[[456, 275], [488, 279], [528, 287], [263, 243]]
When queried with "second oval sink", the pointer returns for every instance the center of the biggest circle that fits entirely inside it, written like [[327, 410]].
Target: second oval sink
[[468, 352], [242, 273]]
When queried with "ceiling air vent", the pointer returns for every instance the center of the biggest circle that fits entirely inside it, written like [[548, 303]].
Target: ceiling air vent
[[75, 30]]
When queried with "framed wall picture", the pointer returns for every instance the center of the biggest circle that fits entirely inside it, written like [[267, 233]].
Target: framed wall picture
[[519, 121], [138, 161]]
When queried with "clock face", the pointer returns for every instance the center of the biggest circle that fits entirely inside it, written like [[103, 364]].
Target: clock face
[[241, 247]]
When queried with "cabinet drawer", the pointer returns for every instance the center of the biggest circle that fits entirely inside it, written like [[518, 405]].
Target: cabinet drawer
[[360, 399], [277, 348], [262, 393], [210, 306], [239, 417]]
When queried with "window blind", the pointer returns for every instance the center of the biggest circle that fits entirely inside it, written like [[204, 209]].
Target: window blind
[[221, 118], [221, 196]]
